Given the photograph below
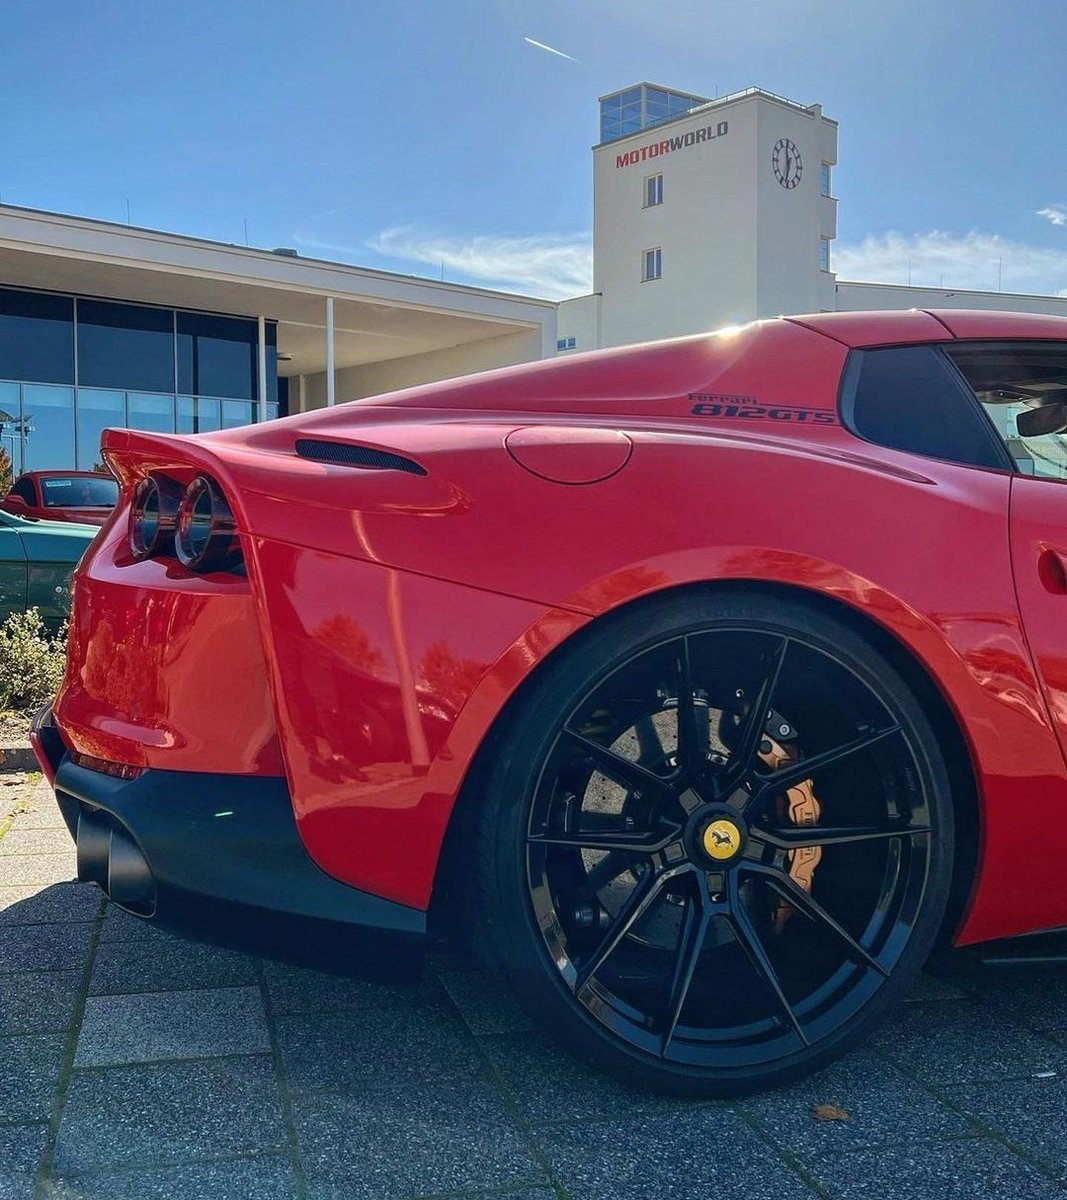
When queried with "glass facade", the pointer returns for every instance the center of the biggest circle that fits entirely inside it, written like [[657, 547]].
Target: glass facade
[[36, 337], [125, 346], [70, 367], [641, 107]]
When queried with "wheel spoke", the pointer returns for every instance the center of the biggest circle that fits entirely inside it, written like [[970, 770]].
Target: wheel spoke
[[803, 836], [649, 743], [805, 903], [648, 842], [692, 745], [745, 753], [647, 890], [785, 777], [691, 938], [624, 771], [748, 939], [690, 800]]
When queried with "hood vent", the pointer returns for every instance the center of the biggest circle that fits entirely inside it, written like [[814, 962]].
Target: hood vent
[[365, 458]]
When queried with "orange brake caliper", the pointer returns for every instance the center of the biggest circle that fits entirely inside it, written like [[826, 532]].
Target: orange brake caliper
[[801, 806]]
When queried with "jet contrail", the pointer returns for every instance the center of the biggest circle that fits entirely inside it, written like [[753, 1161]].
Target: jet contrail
[[550, 49]]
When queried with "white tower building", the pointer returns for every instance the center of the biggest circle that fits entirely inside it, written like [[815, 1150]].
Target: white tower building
[[705, 213]]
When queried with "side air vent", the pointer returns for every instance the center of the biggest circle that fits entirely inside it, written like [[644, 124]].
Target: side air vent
[[364, 457]]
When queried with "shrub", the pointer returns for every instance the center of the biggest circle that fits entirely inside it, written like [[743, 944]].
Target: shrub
[[31, 660]]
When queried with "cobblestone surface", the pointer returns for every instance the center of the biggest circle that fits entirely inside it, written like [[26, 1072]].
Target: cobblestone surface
[[134, 1063]]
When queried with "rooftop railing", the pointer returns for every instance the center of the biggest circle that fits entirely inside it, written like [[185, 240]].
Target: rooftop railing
[[757, 91]]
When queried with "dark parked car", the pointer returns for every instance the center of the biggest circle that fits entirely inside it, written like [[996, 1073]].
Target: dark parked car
[[86, 497], [37, 559]]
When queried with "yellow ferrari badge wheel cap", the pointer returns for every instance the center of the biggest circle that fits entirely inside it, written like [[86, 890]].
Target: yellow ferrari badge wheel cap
[[722, 839]]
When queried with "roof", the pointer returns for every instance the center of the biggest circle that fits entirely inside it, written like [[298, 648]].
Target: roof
[[931, 325]]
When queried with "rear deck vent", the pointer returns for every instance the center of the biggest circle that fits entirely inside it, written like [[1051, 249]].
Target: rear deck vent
[[364, 457]]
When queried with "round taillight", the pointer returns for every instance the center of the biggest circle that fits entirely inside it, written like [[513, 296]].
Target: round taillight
[[154, 517], [206, 537]]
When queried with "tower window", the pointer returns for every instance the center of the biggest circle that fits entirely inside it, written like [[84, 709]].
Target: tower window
[[824, 254], [824, 179], [653, 190], [652, 264]]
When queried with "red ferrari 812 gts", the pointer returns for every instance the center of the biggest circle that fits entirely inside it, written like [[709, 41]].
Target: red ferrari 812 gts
[[706, 684]]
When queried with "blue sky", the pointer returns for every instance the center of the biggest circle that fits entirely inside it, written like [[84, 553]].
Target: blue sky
[[404, 134]]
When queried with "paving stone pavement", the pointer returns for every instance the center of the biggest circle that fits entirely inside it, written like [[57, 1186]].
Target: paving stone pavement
[[137, 1064]]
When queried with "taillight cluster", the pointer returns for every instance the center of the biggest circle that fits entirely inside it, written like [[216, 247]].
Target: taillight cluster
[[194, 524]]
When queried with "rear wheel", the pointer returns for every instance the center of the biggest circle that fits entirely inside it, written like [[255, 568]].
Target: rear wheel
[[716, 843]]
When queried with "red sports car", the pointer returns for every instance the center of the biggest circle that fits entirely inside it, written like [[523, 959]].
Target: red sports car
[[84, 497], [706, 684]]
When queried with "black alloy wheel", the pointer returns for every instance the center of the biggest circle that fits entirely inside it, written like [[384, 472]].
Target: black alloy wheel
[[716, 843]]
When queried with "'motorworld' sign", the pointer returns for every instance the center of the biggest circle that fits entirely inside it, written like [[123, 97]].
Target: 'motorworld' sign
[[682, 142]]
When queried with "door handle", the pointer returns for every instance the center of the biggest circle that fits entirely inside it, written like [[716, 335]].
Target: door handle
[[1052, 570]]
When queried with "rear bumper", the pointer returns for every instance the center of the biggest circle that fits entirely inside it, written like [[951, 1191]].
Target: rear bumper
[[220, 856]]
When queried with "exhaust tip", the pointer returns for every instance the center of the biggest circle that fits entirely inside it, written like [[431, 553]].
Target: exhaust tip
[[129, 878], [109, 857], [93, 845]]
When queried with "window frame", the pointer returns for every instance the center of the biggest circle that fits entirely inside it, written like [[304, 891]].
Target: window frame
[[658, 252], [650, 179], [846, 407]]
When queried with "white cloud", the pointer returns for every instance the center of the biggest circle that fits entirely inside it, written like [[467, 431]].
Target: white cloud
[[1056, 213], [970, 261], [552, 266]]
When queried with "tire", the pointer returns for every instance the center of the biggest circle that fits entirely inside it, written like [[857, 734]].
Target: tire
[[643, 872]]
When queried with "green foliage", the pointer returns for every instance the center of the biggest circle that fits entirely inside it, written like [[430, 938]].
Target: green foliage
[[6, 474], [31, 661]]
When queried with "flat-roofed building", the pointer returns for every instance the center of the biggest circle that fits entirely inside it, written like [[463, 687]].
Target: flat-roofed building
[[104, 324]]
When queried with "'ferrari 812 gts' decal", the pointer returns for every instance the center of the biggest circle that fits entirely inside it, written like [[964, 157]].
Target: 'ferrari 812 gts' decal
[[746, 408]]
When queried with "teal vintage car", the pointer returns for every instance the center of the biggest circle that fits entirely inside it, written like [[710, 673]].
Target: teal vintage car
[[37, 559]]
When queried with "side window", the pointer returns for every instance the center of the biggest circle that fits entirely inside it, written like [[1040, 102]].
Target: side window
[[24, 488], [912, 398], [1023, 388]]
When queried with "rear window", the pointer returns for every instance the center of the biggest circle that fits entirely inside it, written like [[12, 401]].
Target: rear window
[[77, 491], [913, 398]]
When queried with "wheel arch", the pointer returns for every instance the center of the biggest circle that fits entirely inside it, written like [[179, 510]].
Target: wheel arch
[[447, 896]]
